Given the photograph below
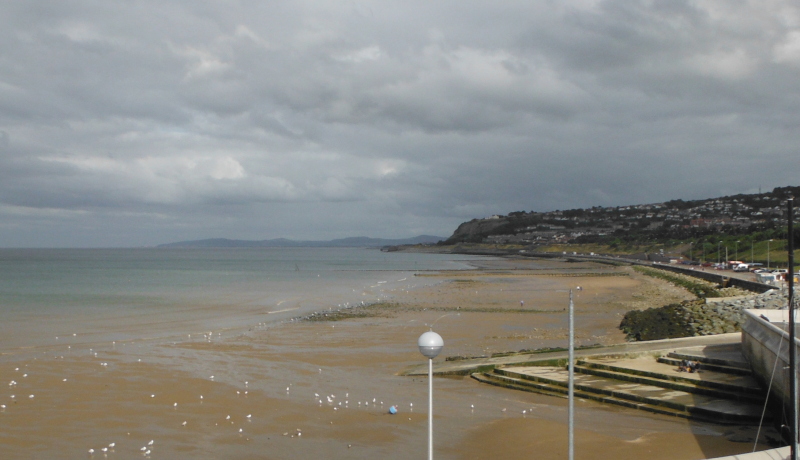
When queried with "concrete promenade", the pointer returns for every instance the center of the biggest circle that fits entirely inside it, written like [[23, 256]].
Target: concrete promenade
[[725, 395], [468, 366], [781, 453]]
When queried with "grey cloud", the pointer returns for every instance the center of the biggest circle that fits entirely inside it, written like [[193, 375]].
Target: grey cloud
[[320, 119]]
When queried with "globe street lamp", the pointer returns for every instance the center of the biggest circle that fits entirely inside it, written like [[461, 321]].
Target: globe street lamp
[[430, 344]]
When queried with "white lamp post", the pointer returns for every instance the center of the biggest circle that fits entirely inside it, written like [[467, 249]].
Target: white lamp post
[[430, 344]]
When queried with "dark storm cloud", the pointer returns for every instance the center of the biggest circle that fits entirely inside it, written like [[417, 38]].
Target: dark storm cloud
[[130, 123]]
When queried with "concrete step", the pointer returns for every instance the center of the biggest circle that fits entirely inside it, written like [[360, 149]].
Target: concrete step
[[639, 395], [649, 367], [723, 355], [699, 356], [560, 391], [674, 359], [680, 385]]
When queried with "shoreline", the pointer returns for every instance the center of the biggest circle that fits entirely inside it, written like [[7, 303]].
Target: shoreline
[[127, 394]]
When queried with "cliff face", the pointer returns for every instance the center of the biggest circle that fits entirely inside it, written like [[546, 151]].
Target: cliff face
[[476, 230]]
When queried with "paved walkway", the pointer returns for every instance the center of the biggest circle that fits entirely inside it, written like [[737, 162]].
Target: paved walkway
[[467, 366], [781, 453]]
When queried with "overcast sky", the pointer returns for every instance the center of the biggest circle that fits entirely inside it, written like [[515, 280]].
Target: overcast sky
[[139, 122]]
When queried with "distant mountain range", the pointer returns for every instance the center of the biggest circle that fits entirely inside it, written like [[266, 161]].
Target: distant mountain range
[[353, 242]]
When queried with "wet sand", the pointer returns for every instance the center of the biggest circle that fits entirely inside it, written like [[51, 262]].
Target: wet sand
[[283, 375]]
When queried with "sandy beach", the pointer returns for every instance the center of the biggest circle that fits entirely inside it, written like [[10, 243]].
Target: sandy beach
[[322, 389]]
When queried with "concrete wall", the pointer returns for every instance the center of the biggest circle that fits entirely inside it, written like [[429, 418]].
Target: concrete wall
[[762, 342], [717, 278]]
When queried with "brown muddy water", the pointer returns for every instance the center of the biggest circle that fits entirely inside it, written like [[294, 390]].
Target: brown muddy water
[[301, 389]]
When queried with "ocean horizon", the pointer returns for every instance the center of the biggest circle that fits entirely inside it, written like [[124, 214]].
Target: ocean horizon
[[49, 296]]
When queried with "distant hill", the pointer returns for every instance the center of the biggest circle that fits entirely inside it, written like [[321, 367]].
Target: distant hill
[[696, 220], [352, 242]]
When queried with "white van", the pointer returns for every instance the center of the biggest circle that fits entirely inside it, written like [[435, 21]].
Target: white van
[[741, 268]]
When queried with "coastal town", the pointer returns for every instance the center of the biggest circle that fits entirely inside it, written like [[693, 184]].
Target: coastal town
[[676, 219]]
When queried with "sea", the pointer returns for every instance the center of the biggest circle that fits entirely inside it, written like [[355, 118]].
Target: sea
[[104, 295]]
